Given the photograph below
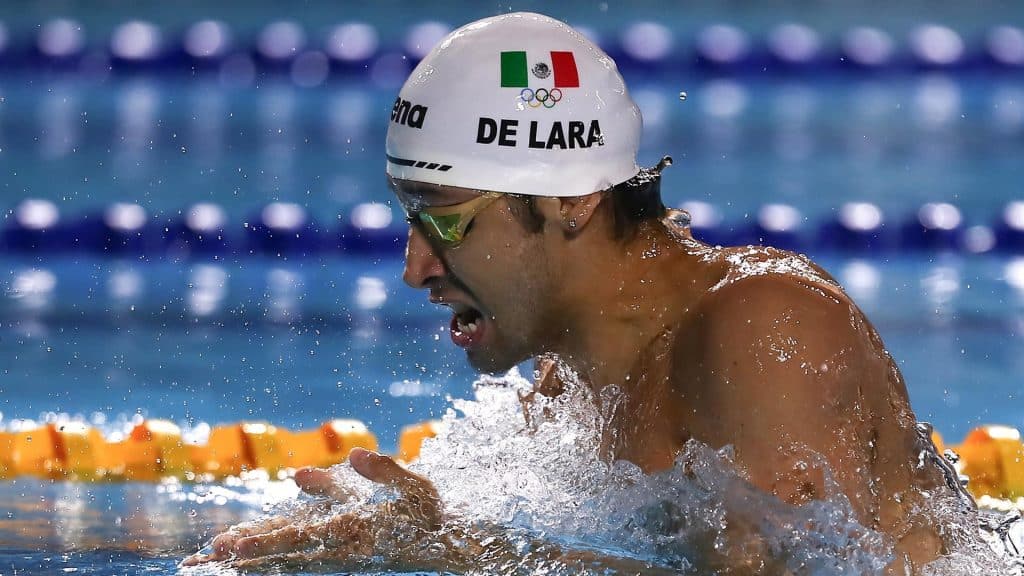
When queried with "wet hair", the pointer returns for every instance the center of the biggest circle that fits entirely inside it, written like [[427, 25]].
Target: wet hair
[[637, 200], [632, 203]]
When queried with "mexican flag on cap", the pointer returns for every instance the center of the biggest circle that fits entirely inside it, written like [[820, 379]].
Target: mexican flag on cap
[[518, 66]]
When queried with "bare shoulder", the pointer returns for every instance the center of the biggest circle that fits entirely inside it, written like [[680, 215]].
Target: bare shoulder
[[769, 300], [777, 344], [750, 267], [781, 357]]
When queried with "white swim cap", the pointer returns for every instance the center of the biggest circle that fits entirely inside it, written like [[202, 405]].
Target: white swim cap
[[518, 103]]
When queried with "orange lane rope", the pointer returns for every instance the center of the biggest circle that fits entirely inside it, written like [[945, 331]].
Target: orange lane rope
[[155, 449], [992, 457]]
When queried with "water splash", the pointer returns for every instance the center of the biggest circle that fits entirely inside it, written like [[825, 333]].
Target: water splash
[[539, 469], [534, 473]]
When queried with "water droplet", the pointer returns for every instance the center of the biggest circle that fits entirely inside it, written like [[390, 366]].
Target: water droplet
[[682, 96]]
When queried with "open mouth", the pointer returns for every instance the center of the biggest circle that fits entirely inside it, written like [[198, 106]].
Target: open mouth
[[467, 326]]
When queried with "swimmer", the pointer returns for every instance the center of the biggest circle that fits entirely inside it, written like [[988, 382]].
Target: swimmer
[[512, 148]]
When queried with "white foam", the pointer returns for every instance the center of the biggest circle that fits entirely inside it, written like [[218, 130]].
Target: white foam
[[536, 474]]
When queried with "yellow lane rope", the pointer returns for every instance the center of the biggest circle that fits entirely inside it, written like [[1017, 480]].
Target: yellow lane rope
[[155, 449], [992, 457]]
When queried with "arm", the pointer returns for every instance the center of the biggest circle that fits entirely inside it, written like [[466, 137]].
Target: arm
[[782, 365], [790, 366]]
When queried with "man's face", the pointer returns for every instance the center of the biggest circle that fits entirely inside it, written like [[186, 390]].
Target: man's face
[[495, 279]]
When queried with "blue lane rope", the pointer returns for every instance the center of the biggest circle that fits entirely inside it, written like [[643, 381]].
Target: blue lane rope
[[283, 229], [286, 48]]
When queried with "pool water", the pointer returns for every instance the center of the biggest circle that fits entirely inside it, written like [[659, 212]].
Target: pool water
[[295, 344], [168, 142], [299, 343], [296, 341], [952, 323]]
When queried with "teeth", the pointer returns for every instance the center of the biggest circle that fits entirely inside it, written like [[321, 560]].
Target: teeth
[[470, 328]]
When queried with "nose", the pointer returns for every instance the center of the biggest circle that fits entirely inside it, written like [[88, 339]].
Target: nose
[[421, 263]]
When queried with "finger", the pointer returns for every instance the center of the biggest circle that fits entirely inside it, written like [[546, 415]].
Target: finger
[[419, 498], [302, 562], [280, 541], [197, 559], [320, 482], [220, 548], [261, 526], [278, 562], [382, 469], [344, 535]]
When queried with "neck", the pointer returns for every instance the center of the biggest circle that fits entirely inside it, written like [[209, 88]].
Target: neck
[[621, 298]]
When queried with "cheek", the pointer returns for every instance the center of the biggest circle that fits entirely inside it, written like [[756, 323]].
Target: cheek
[[502, 260], [527, 275]]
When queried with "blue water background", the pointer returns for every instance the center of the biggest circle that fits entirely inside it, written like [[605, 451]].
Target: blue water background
[[167, 142]]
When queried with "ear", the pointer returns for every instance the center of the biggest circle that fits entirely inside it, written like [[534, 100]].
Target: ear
[[576, 211]]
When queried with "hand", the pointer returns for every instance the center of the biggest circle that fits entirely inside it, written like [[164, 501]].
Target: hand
[[348, 537], [408, 534]]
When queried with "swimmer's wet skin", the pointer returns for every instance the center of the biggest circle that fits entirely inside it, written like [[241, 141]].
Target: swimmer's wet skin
[[530, 218]]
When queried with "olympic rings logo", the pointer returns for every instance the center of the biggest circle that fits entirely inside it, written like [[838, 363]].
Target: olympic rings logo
[[540, 97]]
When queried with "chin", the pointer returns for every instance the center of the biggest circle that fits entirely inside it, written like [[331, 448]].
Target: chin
[[487, 362]]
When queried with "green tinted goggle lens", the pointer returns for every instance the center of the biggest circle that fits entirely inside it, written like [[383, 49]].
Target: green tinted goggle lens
[[448, 224], [444, 228]]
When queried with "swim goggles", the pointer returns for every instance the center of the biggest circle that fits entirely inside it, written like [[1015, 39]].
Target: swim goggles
[[447, 224]]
